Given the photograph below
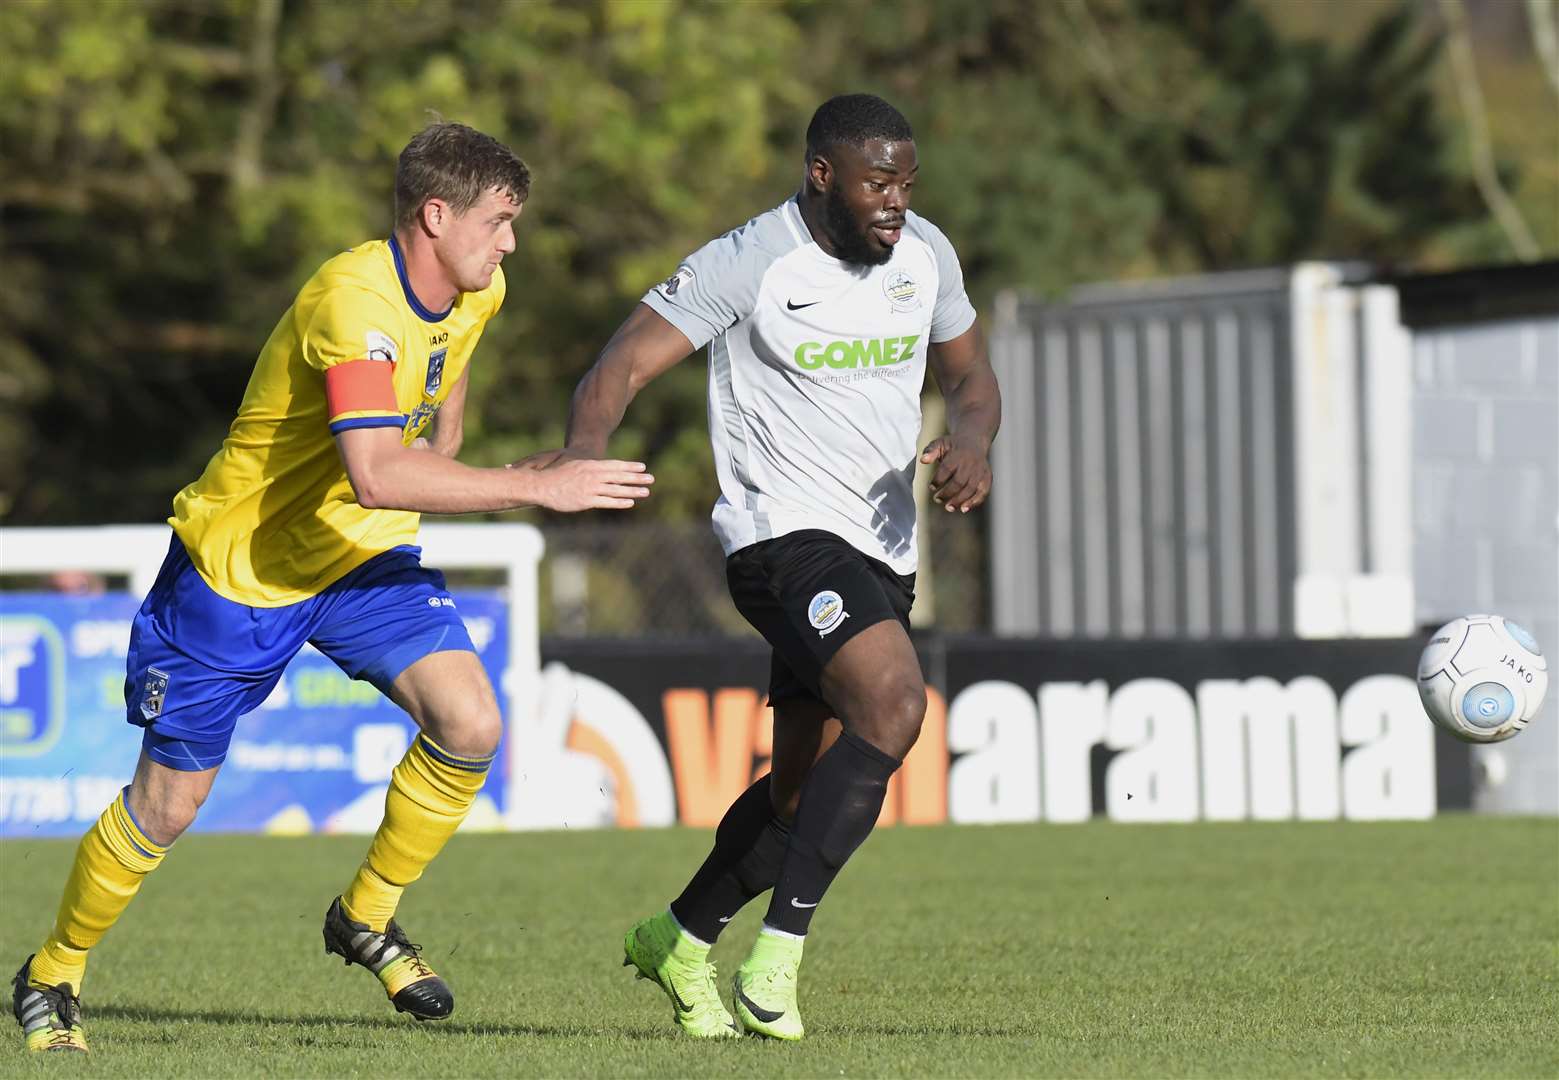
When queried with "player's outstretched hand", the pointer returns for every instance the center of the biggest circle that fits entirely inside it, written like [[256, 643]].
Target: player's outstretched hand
[[963, 476], [539, 460], [572, 484]]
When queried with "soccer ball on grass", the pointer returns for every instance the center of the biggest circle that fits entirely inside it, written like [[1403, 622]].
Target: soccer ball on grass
[[1482, 678]]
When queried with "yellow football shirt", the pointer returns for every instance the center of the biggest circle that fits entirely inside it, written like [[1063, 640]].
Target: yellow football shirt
[[273, 519]]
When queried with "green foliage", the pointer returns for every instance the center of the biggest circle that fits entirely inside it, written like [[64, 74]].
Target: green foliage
[[175, 168], [179, 175]]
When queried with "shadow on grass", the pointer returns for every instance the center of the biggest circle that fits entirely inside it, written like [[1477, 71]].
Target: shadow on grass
[[844, 1029], [149, 1014]]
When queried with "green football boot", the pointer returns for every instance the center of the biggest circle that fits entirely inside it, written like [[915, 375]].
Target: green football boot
[[764, 990], [680, 966], [411, 985], [50, 1015]]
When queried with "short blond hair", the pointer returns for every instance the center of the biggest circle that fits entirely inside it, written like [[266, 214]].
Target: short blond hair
[[457, 164]]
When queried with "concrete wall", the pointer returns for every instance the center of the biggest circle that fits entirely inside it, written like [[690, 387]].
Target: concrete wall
[[1486, 514]]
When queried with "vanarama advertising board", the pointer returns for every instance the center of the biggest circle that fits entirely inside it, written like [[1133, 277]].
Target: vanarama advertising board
[[634, 733], [1050, 731]]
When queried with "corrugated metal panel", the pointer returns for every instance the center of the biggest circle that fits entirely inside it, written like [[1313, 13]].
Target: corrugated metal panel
[[1160, 466]]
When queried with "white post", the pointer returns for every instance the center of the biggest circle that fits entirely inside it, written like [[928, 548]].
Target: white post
[[1380, 603], [517, 550], [1014, 568], [1326, 460]]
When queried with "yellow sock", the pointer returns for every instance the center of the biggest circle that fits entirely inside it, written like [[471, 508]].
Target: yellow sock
[[111, 860], [430, 792]]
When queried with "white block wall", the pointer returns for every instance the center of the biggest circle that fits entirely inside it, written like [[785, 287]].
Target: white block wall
[[1486, 515]]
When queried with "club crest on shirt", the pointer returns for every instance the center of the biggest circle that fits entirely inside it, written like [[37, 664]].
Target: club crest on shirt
[[902, 290], [669, 287], [435, 372], [154, 690], [381, 346], [826, 611]]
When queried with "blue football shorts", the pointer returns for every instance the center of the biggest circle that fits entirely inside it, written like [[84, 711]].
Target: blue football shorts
[[199, 661]]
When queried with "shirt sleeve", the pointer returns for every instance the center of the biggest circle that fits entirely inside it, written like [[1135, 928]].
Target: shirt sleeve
[[353, 337], [715, 287], [953, 313]]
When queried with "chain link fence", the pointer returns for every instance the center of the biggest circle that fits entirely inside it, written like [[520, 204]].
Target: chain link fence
[[667, 580]]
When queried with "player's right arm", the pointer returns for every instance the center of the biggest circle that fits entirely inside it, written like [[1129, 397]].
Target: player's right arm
[[388, 475], [711, 290], [353, 340], [644, 347]]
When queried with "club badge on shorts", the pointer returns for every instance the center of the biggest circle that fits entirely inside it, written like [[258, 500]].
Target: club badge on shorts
[[153, 691], [826, 612]]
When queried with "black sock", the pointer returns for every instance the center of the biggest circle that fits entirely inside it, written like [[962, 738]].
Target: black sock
[[840, 802], [749, 848]]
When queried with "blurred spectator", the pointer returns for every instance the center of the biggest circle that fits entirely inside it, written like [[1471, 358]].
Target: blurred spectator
[[78, 582]]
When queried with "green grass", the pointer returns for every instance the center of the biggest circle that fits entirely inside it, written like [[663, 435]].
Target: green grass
[[1424, 949]]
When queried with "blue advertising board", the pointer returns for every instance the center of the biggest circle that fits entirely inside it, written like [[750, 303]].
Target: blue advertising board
[[315, 757]]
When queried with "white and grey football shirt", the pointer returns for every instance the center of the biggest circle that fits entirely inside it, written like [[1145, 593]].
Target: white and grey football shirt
[[815, 373]]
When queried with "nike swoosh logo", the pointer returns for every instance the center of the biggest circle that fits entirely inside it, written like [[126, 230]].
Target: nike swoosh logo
[[768, 1016], [797, 903], [727, 918], [798, 307], [682, 1006]]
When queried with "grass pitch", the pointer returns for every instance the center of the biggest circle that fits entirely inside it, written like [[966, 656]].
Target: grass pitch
[[1424, 949]]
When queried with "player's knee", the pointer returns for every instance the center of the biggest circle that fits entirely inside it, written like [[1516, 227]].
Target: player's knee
[[163, 817], [909, 712], [472, 733], [486, 732], [893, 717]]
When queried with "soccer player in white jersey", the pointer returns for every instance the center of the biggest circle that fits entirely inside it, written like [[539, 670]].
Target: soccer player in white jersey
[[821, 316]]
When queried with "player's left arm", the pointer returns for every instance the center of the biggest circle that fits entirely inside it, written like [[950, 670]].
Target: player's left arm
[[963, 373], [449, 422]]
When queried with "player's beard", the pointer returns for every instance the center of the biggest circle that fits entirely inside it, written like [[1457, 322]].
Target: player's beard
[[851, 239]]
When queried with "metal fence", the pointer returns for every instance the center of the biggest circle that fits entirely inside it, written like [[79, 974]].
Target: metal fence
[[1202, 458]]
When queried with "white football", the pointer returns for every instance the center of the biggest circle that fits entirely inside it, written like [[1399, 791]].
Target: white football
[[1482, 678]]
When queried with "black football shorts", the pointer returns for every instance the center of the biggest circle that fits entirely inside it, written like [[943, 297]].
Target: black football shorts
[[808, 593]]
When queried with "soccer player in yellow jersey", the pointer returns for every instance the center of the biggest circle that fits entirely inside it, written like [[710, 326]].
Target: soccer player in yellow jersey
[[301, 530]]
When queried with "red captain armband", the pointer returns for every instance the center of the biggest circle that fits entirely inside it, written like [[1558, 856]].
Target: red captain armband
[[361, 393]]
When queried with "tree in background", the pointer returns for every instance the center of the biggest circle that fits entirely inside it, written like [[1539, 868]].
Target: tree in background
[[174, 169], [174, 176], [1078, 141]]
